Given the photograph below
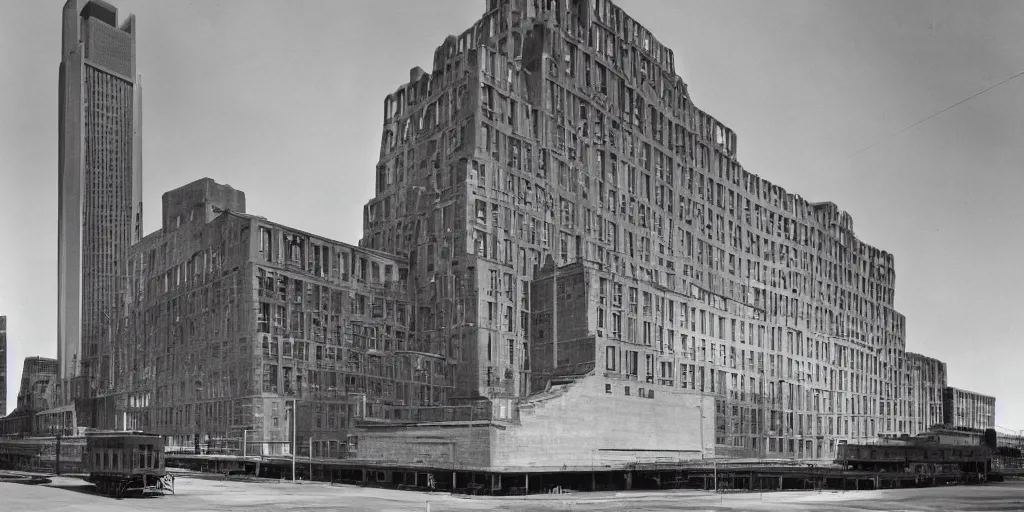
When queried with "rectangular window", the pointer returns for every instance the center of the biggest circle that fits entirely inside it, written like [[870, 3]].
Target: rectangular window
[[265, 245]]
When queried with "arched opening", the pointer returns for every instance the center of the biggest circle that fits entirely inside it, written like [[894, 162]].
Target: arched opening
[[387, 142]]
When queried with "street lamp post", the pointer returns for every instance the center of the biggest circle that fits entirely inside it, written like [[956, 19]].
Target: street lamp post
[[199, 388], [701, 424], [245, 442]]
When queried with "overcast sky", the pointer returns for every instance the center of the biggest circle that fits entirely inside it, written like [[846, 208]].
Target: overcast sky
[[284, 100]]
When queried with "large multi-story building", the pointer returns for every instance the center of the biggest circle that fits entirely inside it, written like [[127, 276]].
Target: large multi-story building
[[928, 381], [562, 128], [564, 267], [3, 365], [230, 320], [100, 185], [967, 409]]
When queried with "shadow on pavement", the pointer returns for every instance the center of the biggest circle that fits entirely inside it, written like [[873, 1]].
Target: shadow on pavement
[[24, 479], [87, 488]]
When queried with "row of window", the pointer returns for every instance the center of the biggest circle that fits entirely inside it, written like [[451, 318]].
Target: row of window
[[641, 392], [118, 460]]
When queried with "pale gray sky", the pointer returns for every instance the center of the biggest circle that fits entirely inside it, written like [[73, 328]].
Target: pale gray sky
[[283, 100]]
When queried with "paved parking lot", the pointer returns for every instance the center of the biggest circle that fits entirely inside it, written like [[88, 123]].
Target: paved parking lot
[[196, 495]]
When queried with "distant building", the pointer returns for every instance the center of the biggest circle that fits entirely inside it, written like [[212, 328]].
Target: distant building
[[1011, 440], [36, 394], [99, 183], [38, 381], [928, 381], [967, 409]]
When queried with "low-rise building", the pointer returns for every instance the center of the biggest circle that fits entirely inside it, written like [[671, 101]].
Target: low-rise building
[[967, 409], [1013, 440]]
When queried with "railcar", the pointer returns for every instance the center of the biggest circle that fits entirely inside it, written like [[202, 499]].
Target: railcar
[[18, 454], [121, 463], [41, 453], [925, 459]]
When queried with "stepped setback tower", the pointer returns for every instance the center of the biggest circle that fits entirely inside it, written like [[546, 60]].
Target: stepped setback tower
[[589, 256]]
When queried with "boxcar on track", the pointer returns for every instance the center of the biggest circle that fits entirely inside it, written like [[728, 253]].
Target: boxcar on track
[[124, 462]]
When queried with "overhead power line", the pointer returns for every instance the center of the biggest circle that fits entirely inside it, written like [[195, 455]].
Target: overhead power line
[[965, 100]]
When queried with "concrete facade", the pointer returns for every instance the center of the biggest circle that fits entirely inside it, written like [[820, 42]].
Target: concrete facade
[[582, 426], [231, 322], [100, 185], [38, 384], [928, 378], [967, 409], [575, 426], [1010, 440], [561, 129], [623, 330], [36, 394]]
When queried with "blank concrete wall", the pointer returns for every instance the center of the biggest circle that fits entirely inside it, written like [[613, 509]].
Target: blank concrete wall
[[462, 447], [585, 426]]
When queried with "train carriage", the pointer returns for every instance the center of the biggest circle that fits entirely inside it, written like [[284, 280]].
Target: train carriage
[[923, 459], [120, 463], [18, 454]]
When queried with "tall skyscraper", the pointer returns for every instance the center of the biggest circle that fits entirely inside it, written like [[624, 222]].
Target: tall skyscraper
[[100, 184]]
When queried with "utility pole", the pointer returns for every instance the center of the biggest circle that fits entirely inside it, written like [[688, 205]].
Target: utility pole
[[199, 388], [348, 409], [714, 463], [57, 464], [764, 413]]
